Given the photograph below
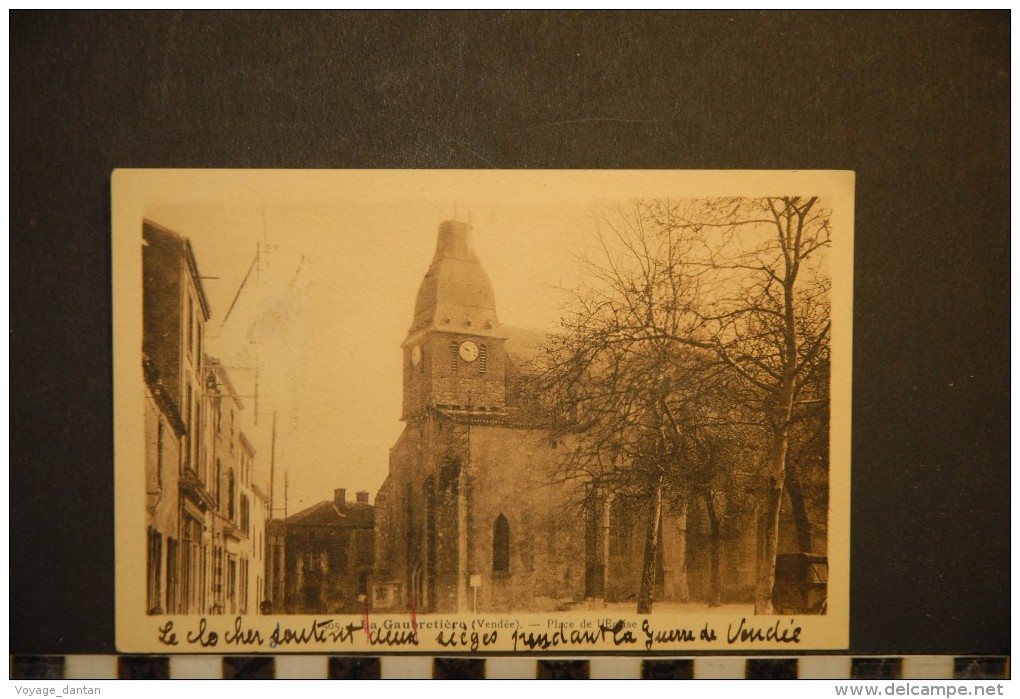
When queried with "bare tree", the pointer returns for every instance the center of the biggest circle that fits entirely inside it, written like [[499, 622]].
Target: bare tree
[[681, 291], [609, 397], [808, 459], [767, 318], [637, 403]]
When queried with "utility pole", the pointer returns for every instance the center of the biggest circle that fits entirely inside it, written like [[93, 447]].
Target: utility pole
[[272, 468], [274, 553]]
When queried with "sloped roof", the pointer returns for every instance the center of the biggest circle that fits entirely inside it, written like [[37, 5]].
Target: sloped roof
[[456, 293], [327, 514]]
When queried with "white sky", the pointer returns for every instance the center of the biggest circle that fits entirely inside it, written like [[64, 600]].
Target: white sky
[[333, 297], [331, 302]]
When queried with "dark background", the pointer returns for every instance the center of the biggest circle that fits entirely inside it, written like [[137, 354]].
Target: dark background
[[916, 104]]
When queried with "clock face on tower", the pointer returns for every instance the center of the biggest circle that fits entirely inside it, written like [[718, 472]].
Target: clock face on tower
[[468, 351]]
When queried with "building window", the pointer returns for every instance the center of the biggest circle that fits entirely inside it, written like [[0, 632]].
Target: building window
[[191, 325], [155, 559], [159, 454], [199, 447], [193, 568], [454, 364], [482, 359], [230, 494], [217, 580], [244, 513], [244, 586], [190, 427], [218, 485], [232, 585], [501, 545], [311, 562], [171, 576]]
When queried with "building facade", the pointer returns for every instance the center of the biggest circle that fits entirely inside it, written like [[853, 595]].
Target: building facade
[[205, 516], [175, 311], [238, 559], [323, 556], [164, 435]]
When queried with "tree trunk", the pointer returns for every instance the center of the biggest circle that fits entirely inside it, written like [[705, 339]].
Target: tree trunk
[[767, 565], [674, 553], [715, 584], [798, 509], [774, 503], [607, 509], [781, 435], [644, 605]]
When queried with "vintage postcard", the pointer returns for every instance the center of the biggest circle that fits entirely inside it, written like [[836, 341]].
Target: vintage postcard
[[482, 411]]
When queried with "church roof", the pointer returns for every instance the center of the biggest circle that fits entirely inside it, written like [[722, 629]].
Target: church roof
[[456, 294]]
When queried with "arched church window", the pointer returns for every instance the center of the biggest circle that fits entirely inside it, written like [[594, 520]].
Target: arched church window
[[501, 545], [482, 358]]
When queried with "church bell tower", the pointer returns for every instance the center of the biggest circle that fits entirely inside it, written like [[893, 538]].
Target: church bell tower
[[453, 356]]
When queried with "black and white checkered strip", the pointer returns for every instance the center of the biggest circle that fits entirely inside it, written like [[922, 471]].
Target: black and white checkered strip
[[411, 667]]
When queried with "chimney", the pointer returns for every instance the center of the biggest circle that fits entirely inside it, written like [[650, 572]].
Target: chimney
[[340, 497], [362, 497]]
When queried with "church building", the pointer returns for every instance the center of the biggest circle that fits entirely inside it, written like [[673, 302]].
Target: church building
[[473, 515]]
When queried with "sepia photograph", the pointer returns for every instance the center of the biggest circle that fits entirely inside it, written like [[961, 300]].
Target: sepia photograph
[[740, 410], [482, 411]]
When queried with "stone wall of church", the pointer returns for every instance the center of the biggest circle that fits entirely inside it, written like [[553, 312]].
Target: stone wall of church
[[396, 524], [512, 473], [737, 552], [418, 521], [450, 482], [623, 539]]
